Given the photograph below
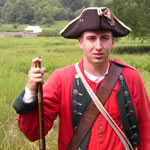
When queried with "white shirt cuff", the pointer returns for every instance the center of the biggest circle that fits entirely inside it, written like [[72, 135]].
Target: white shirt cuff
[[29, 95]]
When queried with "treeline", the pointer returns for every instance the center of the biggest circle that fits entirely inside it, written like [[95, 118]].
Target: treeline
[[40, 11], [135, 13]]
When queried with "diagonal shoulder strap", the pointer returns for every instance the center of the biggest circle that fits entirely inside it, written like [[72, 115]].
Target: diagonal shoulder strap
[[93, 110]]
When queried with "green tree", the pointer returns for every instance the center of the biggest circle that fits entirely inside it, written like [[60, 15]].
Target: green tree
[[46, 11], [60, 13], [74, 4], [135, 13], [98, 3], [5, 11], [44, 16], [2, 2], [21, 12]]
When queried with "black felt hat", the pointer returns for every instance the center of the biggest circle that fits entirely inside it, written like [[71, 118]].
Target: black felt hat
[[95, 19]]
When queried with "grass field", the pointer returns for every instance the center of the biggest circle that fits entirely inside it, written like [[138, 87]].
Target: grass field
[[15, 59]]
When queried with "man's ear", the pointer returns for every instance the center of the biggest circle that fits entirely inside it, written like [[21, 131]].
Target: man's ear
[[113, 42], [80, 41]]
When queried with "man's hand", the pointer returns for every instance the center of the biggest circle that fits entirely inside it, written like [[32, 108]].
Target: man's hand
[[35, 75]]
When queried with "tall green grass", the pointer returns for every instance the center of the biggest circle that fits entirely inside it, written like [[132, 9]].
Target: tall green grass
[[15, 59]]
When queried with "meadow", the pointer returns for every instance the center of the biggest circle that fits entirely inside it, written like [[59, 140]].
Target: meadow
[[16, 55]]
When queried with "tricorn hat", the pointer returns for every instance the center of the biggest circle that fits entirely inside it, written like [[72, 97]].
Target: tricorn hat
[[95, 19]]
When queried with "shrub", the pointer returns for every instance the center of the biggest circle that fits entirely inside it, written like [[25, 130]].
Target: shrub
[[15, 26], [131, 49], [18, 36], [49, 33]]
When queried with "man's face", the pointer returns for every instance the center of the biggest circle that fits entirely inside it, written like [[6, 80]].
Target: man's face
[[96, 46]]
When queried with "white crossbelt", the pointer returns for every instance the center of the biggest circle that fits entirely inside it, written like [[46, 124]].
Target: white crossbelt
[[100, 107]]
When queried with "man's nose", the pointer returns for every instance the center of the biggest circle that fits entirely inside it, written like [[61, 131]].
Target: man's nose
[[98, 44]]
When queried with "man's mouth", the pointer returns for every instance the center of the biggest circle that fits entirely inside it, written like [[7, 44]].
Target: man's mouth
[[98, 54]]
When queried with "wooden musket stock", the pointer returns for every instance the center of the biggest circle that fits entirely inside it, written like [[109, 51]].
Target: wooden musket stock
[[41, 113]]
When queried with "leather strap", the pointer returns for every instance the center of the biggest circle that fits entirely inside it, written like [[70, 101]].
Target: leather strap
[[92, 112]]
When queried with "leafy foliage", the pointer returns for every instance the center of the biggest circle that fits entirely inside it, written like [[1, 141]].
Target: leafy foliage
[[49, 33], [21, 12], [135, 13], [41, 12]]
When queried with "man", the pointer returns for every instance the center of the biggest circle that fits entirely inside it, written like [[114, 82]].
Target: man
[[65, 95]]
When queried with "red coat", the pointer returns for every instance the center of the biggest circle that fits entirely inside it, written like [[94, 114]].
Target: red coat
[[58, 101]]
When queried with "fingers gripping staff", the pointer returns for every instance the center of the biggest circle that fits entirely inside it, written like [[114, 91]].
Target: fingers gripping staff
[[41, 113]]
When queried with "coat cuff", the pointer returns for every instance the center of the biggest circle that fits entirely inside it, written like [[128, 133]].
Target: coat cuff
[[21, 107]]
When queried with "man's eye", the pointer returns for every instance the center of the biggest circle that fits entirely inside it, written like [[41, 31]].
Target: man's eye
[[105, 37], [91, 38]]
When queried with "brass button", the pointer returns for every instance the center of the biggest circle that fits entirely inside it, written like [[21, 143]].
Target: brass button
[[131, 112], [128, 103], [100, 120], [135, 143], [75, 112], [126, 93], [75, 91], [134, 136], [121, 77], [75, 127], [75, 102], [101, 135], [133, 127]]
